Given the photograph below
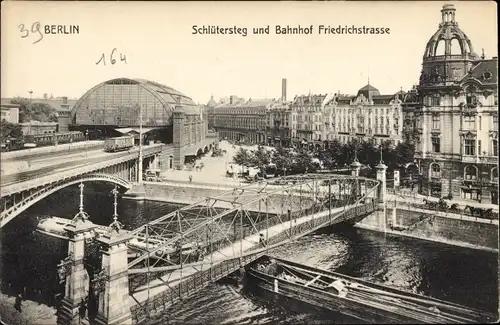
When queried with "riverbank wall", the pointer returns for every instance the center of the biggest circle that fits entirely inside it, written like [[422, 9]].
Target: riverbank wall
[[435, 226]]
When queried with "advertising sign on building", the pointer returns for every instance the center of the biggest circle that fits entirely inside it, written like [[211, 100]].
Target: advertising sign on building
[[396, 178]]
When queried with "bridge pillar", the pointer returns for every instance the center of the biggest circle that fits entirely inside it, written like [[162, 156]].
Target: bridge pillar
[[178, 137], [114, 301], [77, 279], [381, 194], [381, 177], [355, 168]]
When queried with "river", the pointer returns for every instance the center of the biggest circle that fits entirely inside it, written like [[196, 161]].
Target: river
[[456, 274]]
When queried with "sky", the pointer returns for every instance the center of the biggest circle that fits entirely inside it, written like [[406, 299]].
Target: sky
[[157, 40]]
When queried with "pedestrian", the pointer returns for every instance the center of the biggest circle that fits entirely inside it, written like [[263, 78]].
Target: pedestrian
[[18, 303], [262, 241], [82, 310], [190, 178]]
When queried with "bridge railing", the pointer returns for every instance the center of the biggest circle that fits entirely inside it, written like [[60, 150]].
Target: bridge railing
[[42, 181], [201, 279], [188, 286]]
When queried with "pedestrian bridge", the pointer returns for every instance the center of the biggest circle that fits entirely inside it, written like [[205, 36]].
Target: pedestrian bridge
[[143, 271], [190, 248]]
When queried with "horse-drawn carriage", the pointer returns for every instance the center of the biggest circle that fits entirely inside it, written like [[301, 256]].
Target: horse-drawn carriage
[[469, 210]]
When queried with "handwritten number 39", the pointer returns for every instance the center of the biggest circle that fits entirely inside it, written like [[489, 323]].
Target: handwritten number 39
[[35, 28]]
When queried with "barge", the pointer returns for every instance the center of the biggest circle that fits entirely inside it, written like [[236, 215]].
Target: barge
[[356, 298]]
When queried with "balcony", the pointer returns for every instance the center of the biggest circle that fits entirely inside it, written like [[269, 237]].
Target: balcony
[[451, 57]]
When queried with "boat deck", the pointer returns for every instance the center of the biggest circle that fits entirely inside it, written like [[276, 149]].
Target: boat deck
[[358, 298]]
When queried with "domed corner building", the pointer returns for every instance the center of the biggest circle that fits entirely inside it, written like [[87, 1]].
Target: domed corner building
[[114, 108], [457, 119]]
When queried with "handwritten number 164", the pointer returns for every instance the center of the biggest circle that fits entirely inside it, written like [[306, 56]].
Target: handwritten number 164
[[111, 58]]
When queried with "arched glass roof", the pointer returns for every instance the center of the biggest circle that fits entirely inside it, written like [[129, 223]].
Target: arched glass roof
[[116, 102]]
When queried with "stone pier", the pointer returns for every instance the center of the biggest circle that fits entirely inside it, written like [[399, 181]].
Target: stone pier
[[381, 194], [77, 279], [114, 300]]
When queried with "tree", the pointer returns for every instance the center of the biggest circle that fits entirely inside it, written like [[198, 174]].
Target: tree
[[405, 153], [260, 157], [282, 158], [30, 111], [9, 130], [242, 157]]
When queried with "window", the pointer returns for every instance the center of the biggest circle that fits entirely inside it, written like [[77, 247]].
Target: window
[[435, 171], [436, 101], [469, 147], [494, 174], [469, 122], [495, 147], [436, 145], [479, 152], [480, 122], [495, 122], [435, 122], [470, 173], [471, 97]]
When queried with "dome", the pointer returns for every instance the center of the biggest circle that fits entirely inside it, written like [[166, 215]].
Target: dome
[[448, 32], [211, 103], [368, 91]]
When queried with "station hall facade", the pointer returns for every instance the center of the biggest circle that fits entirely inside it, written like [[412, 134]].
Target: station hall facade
[[119, 106]]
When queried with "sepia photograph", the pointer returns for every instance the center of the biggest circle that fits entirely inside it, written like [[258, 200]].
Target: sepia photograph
[[268, 162]]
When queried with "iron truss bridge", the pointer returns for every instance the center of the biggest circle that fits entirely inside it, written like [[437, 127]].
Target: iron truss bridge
[[178, 254]]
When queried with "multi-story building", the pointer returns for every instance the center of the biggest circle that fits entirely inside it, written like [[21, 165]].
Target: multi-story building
[[307, 120], [242, 120], [368, 116], [210, 112], [10, 112], [457, 121], [279, 127], [279, 119]]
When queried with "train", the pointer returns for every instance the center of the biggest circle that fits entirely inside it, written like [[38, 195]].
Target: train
[[41, 140], [118, 143]]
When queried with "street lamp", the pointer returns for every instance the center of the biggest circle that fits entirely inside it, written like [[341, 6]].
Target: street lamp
[[483, 160]]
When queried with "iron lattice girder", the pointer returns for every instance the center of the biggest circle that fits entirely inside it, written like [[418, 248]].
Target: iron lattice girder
[[208, 218]]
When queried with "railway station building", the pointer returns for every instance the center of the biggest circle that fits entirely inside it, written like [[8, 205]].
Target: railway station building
[[116, 107]]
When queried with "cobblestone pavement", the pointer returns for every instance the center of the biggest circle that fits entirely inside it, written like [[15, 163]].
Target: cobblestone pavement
[[214, 170]]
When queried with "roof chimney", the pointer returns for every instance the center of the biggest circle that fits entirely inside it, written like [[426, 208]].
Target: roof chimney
[[65, 100], [45, 96], [231, 98], [283, 89]]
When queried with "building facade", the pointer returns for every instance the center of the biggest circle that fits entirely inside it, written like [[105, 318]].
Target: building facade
[[307, 120], [457, 121], [368, 116], [37, 127], [242, 120], [10, 112], [279, 123]]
